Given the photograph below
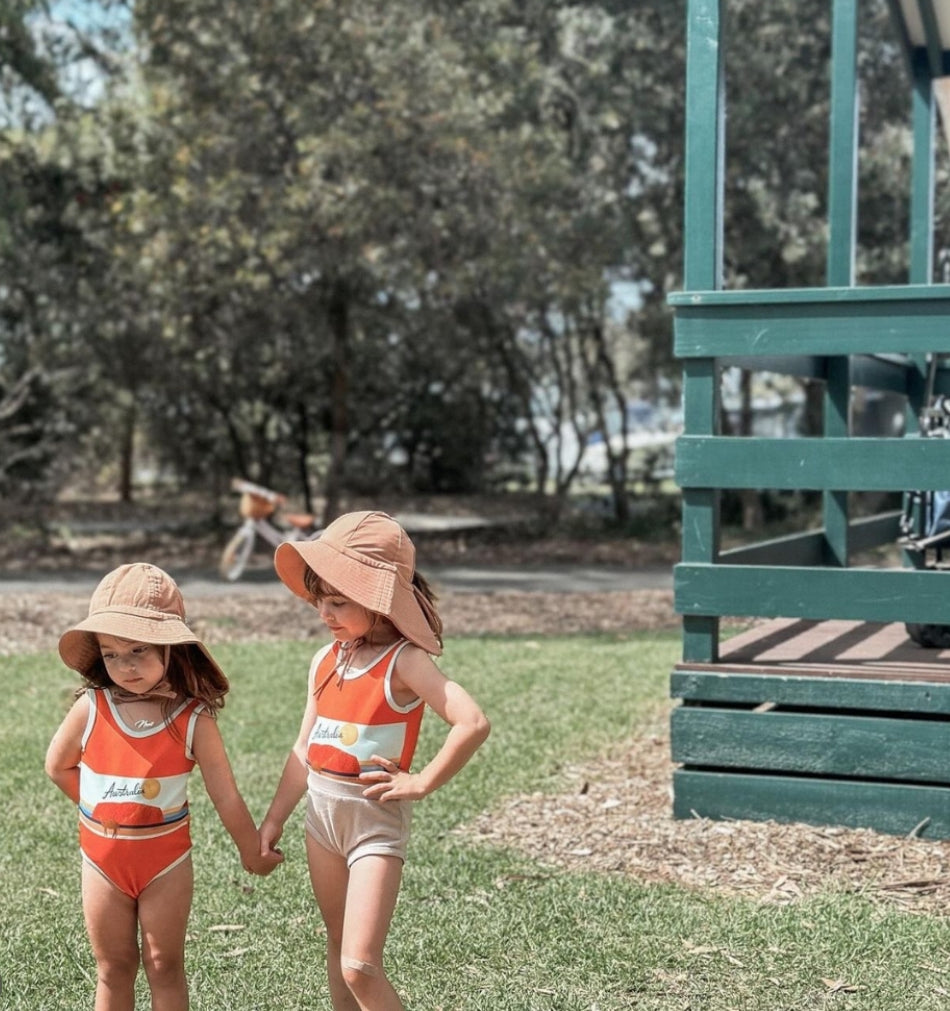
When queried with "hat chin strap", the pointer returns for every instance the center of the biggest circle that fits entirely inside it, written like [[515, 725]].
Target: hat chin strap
[[163, 690]]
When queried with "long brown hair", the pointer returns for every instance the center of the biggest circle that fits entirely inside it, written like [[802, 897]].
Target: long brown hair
[[187, 672]]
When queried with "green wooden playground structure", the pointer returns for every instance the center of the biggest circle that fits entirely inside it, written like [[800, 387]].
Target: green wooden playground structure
[[827, 713]]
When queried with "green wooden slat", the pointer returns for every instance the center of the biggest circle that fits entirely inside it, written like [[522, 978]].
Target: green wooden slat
[[874, 328], [866, 747], [898, 809], [772, 323], [785, 591], [870, 297], [700, 507], [858, 464], [787, 688], [702, 393]]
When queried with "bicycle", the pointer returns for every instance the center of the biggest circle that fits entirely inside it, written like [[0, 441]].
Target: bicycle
[[257, 507]]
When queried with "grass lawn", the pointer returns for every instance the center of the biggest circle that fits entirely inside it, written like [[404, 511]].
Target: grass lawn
[[476, 928]]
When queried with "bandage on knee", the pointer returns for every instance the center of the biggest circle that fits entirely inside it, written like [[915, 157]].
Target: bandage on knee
[[354, 963]]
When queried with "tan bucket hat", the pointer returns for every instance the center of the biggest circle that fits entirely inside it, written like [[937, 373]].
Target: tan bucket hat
[[369, 558], [137, 601]]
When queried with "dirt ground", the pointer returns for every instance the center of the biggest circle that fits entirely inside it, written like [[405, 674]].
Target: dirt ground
[[611, 815]]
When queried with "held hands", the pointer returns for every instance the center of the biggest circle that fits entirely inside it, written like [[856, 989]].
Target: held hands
[[264, 860], [391, 783]]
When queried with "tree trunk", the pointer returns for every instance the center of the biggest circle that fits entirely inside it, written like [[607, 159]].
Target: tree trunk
[[303, 455], [338, 320], [126, 452]]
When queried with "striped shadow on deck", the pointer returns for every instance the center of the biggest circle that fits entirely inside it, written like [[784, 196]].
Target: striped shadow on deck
[[823, 722]]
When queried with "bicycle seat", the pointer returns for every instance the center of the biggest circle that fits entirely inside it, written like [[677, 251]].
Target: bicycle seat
[[302, 521]]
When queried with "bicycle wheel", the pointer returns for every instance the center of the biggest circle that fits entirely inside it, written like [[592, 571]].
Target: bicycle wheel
[[929, 636], [236, 553]]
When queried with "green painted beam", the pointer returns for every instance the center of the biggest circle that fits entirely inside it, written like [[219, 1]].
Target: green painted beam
[[701, 507], [904, 326], [855, 464], [916, 595], [894, 808], [821, 744], [727, 687], [704, 180], [798, 299]]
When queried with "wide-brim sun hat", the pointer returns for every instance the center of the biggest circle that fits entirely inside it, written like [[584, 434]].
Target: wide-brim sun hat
[[139, 602], [368, 558]]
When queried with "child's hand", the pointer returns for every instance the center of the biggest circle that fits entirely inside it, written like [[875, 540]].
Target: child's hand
[[263, 865], [263, 861], [391, 783], [268, 836]]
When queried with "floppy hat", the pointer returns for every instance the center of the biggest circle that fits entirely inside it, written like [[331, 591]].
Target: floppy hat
[[369, 558], [137, 601]]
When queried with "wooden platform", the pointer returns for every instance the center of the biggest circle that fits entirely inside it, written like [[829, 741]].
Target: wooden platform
[[824, 722], [830, 649]]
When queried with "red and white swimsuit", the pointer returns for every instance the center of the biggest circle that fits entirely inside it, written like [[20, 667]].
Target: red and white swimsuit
[[357, 716], [133, 793]]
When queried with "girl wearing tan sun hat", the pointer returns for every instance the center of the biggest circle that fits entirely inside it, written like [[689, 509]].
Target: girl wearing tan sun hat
[[368, 557], [123, 754], [368, 690], [140, 601]]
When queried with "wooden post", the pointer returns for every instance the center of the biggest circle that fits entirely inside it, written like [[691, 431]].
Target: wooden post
[[703, 227], [842, 202], [921, 237]]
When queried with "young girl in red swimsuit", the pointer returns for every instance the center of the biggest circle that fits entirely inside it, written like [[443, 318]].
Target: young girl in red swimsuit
[[352, 757], [123, 753]]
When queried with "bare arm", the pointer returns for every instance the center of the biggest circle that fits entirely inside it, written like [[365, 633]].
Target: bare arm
[[212, 759], [65, 749], [293, 780], [468, 729]]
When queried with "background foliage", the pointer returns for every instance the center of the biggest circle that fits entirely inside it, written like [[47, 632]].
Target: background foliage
[[330, 246]]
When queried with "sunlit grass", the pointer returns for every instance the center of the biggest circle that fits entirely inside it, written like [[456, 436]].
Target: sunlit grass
[[476, 927]]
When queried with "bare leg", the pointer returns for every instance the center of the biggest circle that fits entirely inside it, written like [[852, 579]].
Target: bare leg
[[112, 925], [329, 877], [163, 913], [370, 900]]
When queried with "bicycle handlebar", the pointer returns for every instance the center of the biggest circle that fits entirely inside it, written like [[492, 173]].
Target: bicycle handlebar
[[248, 488]]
